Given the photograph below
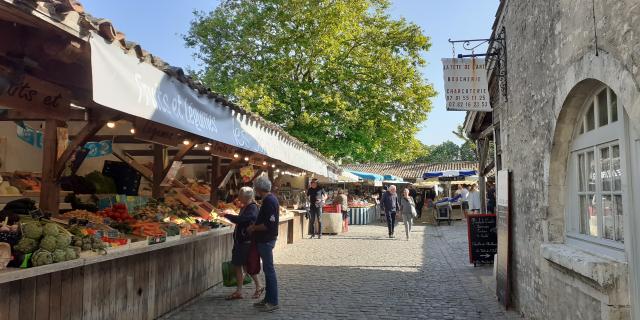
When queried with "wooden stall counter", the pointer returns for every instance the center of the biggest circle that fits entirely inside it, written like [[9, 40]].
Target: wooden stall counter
[[140, 283]]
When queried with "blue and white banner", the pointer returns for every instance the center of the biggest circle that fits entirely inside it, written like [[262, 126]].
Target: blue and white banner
[[34, 138]]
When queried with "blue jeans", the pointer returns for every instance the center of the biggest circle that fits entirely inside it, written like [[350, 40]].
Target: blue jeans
[[315, 214], [391, 221], [266, 253]]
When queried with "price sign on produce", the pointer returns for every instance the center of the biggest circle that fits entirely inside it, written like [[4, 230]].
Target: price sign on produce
[[465, 84]]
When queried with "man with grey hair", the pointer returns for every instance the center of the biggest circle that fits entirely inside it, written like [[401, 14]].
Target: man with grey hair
[[265, 233], [391, 205]]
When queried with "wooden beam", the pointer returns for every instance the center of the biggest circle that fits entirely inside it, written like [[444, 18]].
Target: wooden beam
[[81, 138], [50, 190], [184, 149], [144, 171], [216, 179], [17, 115], [172, 152], [159, 163]]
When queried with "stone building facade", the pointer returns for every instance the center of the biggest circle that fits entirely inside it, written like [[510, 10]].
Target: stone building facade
[[569, 132]]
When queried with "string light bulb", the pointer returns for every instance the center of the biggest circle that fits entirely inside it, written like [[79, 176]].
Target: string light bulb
[[111, 124], [207, 148], [264, 163], [277, 170], [133, 130], [235, 155], [246, 158], [195, 146], [186, 142], [273, 166]]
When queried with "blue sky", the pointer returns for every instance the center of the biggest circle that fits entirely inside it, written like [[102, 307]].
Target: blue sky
[[158, 26]]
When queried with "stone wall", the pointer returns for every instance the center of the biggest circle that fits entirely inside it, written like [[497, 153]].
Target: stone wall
[[551, 52]]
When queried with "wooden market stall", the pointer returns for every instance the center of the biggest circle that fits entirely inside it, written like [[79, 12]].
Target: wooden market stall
[[67, 81]]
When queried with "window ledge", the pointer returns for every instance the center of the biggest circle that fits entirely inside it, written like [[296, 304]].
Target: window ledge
[[603, 270]]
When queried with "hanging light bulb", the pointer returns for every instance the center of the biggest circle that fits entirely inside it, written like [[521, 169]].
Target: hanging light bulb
[[207, 148], [277, 170], [264, 163], [235, 155], [195, 146], [111, 124], [246, 158], [186, 142], [133, 130], [273, 166], [209, 144]]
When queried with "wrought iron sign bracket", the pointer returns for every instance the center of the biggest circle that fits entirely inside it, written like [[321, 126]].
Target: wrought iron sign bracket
[[496, 56]]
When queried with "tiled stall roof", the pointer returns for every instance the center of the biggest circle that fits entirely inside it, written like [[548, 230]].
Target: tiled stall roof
[[71, 15], [410, 171]]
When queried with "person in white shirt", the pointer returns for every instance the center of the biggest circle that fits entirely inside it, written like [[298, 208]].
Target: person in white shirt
[[474, 200]]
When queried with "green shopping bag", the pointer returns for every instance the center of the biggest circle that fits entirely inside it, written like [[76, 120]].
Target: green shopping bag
[[229, 276]]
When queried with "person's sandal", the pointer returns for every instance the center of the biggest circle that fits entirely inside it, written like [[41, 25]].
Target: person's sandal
[[234, 296], [258, 293]]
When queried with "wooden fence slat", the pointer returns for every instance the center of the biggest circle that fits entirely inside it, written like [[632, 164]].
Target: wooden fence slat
[[4, 302], [66, 293], [43, 285], [28, 299], [77, 294], [151, 280], [55, 293], [14, 300]]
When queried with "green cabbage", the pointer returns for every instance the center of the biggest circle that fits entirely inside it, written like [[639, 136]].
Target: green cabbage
[[26, 245], [59, 255], [70, 254], [62, 241], [48, 243], [32, 230], [41, 258], [50, 229]]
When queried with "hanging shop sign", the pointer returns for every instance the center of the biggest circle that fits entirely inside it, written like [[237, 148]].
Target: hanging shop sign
[[465, 84], [36, 96], [35, 137], [124, 83], [247, 173], [503, 201]]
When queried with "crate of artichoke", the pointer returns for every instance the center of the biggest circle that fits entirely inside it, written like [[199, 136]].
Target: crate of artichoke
[[45, 243]]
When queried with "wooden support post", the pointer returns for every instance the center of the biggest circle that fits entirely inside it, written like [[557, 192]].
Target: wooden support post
[[50, 191], [270, 174], [88, 131], [216, 179], [159, 163], [184, 149], [483, 148]]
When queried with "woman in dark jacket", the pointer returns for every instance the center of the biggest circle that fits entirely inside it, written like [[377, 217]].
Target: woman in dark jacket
[[242, 240]]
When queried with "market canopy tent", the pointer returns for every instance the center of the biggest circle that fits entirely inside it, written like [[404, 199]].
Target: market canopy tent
[[449, 174], [367, 175]]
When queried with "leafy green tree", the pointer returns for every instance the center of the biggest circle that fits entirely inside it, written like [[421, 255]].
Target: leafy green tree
[[340, 75], [468, 152], [444, 152]]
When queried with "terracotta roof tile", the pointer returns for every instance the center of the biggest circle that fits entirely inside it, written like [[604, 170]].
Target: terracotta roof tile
[[410, 171], [58, 9]]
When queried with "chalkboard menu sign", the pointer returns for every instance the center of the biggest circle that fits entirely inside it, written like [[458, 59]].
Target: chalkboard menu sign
[[483, 238]]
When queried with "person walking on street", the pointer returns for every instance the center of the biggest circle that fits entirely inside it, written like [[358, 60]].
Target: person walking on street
[[391, 205], [343, 201], [317, 197], [408, 207], [265, 233], [242, 241]]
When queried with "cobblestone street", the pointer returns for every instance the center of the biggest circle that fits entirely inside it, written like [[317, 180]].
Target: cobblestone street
[[365, 275]]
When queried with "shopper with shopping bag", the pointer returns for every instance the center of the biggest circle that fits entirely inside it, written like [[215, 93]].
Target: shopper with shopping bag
[[244, 252]]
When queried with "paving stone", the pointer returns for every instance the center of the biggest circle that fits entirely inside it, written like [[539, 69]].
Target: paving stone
[[365, 275]]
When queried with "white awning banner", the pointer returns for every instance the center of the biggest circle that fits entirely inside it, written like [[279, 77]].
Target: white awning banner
[[122, 82]]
